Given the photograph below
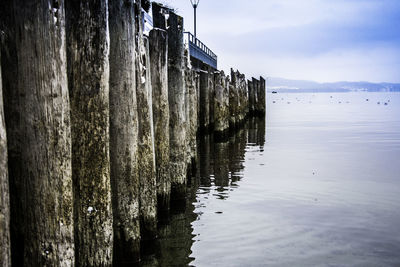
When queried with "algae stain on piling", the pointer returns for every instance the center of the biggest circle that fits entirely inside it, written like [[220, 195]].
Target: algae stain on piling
[[88, 72], [124, 132]]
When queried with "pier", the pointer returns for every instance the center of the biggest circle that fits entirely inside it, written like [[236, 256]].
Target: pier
[[100, 126]]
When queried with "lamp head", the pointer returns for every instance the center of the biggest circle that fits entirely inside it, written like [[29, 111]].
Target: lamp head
[[195, 3]]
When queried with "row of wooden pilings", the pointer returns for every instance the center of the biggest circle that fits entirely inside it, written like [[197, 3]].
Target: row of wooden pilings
[[99, 128]]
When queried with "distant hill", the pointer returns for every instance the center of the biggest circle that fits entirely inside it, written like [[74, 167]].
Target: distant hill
[[285, 85]]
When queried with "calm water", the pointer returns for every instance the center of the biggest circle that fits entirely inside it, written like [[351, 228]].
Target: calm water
[[317, 185]]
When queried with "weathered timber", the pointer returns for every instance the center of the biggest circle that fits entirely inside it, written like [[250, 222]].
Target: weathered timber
[[159, 79], [124, 132], [176, 98], [233, 104], [146, 160], [211, 91], [243, 98], [243, 85], [261, 97], [221, 106], [37, 112], [255, 92], [192, 86], [159, 15], [191, 114], [88, 79], [204, 110], [5, 257], [251, 92]]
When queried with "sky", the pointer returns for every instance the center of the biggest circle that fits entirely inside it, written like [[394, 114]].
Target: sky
[[319, 40]]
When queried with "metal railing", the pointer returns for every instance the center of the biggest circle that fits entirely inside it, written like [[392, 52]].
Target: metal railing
[[201, 52]]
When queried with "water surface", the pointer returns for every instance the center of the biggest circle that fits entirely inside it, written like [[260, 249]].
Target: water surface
[[317, 185]]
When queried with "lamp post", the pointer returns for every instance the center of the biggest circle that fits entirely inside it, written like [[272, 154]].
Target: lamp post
[[195, 3]]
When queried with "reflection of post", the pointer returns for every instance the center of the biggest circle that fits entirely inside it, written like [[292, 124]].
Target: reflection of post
[[237, 146], [260, 121], [173, 247], [204, 164], [221, 165]]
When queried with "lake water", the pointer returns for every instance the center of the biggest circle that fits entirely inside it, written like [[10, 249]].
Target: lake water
[[318, 184]]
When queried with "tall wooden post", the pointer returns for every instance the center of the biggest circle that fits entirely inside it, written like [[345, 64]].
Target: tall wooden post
[[5, 257], [88, 44], [159, 80], [176, 98], [37, 116], [124, 132]]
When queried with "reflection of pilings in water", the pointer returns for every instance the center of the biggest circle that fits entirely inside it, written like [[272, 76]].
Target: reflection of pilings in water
[[261, 132], [204, 158], [221, 164], [237, 149], [257, 131]]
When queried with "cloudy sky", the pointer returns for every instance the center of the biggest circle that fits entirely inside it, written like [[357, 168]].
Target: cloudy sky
[[320, 40]]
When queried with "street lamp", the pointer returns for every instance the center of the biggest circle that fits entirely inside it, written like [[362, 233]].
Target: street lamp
[[195, 3]]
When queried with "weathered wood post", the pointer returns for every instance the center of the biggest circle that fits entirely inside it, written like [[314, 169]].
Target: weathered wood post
[[255, 92], [192, 79], [124, 132], [211, 91], [159, 80], [243, 85], [233, 104], [221, 106], [221, 160], [88, 46], [204, 110], [37, 117], [5, 257], [261, 97], [176, 98], [147, 168], [250, 86]]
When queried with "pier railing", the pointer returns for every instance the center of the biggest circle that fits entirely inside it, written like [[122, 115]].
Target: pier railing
[[200, 51]]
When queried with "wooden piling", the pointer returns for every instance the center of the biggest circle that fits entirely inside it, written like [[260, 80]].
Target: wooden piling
[[5, 256], [146, 156], [234, 104], [88, 80], [251, 92], [204, 110], [261, 97], [255, 93], [124, 132], [176, 98], [221, 106], [37, 114], [159, 80]]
